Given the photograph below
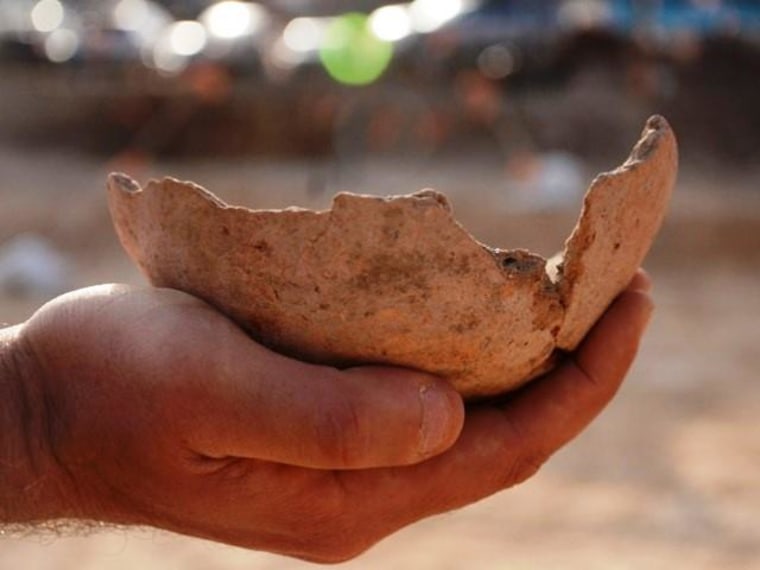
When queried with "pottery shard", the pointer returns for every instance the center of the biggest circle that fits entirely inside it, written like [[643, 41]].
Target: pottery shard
[[622, 213], [397, 280]]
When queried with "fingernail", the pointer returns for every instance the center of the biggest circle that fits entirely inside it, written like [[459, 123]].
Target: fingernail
[[646, 284], [437, 417], [646, 314], [642, 282]]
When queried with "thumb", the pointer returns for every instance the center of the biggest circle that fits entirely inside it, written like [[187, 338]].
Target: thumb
[[262, 405]]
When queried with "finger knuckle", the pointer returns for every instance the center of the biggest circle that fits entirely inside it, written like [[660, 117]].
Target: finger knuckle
[[333, 527], [525, 463], [341, 433], [523, 468], [337, 551], [337, 538]]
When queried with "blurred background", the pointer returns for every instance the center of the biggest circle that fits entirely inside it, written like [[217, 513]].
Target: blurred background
[[510, 107]]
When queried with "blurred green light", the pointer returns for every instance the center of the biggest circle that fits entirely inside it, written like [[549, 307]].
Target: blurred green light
[[351, 53]]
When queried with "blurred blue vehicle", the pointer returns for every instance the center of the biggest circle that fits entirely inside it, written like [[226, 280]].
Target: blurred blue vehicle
[[700, 17], [500, 18]]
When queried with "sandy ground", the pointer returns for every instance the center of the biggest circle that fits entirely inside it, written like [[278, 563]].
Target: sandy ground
[[668, 477]]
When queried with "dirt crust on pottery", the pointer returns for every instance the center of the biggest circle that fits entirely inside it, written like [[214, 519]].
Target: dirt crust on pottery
[[397, 280]]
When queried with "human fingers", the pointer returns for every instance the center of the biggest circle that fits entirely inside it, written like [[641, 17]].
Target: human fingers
[[253, 403], [345, 402], [553, 410], [502, 446], [641, 281]]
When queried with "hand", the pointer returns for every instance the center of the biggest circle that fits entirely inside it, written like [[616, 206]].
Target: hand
[[146, 406]]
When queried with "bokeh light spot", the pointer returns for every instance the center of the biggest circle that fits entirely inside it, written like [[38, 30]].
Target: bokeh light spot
[[232, 19], [187, 37], [429, 15], [47, 15], [61, 45], [144, 20], [131, 15], [391, 23], [497, 61], [304, 34], [351, 53]]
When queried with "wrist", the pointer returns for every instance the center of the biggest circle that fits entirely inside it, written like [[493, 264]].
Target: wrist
[[29, 485]]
